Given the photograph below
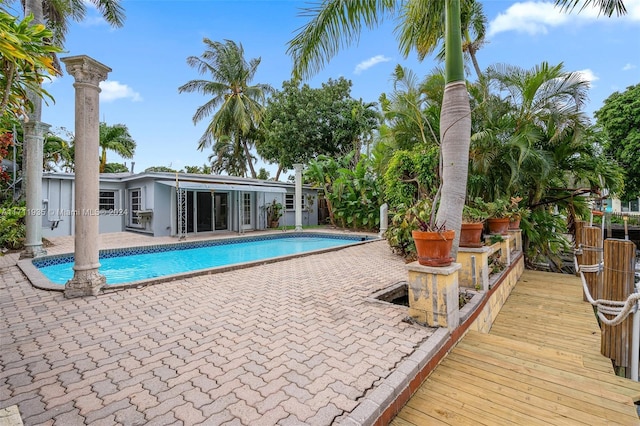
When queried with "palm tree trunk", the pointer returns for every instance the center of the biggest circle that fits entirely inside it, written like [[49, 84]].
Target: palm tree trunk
[[278, 172], [247, 153], [103, 160], [455, 128]]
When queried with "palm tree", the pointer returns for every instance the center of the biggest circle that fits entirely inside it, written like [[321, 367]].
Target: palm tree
[[428, 33], [336, 23], [607, 7], [240, 105], [57, 153], [410, 111], [115, 138]]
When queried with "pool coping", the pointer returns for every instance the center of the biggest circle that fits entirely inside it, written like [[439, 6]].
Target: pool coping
[[40, 281]]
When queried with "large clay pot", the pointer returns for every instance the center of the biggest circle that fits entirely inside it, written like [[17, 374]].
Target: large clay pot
[[471, 235], [498, 225], [434, 247]]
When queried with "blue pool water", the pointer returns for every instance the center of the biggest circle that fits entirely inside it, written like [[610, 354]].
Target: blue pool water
[[135, 265]]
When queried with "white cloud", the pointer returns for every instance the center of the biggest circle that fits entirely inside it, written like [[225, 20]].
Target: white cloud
[[113, 90], [628, 67], [536, 17], [588, 76], [49, 79], [365, 65]]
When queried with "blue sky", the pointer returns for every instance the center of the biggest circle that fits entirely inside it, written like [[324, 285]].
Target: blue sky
[[148, 58]]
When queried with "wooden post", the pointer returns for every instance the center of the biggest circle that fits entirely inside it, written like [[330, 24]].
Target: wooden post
[[592, 255], [617, 285]]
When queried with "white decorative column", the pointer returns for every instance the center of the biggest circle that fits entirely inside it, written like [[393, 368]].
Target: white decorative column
[[88, 74], [34, 132], [298, 196]]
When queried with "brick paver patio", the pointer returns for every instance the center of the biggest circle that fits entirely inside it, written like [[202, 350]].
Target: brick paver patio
[[290, 343]]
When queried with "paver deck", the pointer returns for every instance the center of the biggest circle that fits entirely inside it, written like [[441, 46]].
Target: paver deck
[[539, 365], [294, 342]]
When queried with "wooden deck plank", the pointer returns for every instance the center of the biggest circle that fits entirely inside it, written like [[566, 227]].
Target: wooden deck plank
[[567, 396], [539, 399], [525, 404], [540, 364], [480, 415], [449, 395]]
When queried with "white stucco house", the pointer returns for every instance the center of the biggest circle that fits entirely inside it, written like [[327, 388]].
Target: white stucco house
[[153, 202]]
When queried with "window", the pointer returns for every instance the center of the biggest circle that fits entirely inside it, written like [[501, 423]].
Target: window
[[289, 202], [107, 201]]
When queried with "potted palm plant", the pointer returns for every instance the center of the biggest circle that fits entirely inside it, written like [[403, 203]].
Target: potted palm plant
[[274, 212], [433, 241]]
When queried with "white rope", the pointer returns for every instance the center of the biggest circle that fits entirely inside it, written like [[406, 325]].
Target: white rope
[[607, 307]]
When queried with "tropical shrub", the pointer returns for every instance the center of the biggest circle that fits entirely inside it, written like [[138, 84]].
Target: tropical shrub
[[404, 219], [356, 197], [411, 175], [353, 194], [12, 226]]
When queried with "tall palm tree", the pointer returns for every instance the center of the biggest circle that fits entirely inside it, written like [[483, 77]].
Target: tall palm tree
[[427, 34], [240, 105], [335, 23], [115, 138]]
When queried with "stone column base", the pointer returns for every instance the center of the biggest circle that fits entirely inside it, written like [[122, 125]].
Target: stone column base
[[433, 295], [31, 252], [84, 283]]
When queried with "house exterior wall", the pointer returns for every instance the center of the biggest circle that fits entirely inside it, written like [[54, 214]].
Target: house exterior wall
[[58, 205], [163, 220], [58, 213], [157, 204]]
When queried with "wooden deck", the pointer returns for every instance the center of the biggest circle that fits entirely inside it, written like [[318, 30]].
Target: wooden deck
[[539, 365]]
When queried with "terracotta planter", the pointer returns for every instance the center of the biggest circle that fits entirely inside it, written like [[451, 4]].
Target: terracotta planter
[[471, 235], [514, 223], [434, 247], [274, 224], [498, 225]]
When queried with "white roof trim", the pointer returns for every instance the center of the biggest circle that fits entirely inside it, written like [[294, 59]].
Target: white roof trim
[[222, 186]]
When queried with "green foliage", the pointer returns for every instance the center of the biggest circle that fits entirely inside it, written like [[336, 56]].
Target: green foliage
[[263, 174], [405, 219], [274, 211], [472, 213], [115, 168], [115, 138], [26, 57], [301, 123], [410, 176], [352, 193], [238, 106], [619, 118], [497, 209], [12, 226], [543, 239], [160, 169]]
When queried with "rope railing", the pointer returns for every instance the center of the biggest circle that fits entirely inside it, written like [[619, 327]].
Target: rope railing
[[621, 309]]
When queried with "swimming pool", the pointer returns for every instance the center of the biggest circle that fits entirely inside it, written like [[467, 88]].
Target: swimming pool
[[153, 263]]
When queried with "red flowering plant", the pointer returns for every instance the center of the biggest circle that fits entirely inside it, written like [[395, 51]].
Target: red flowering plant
[[6, 140]]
